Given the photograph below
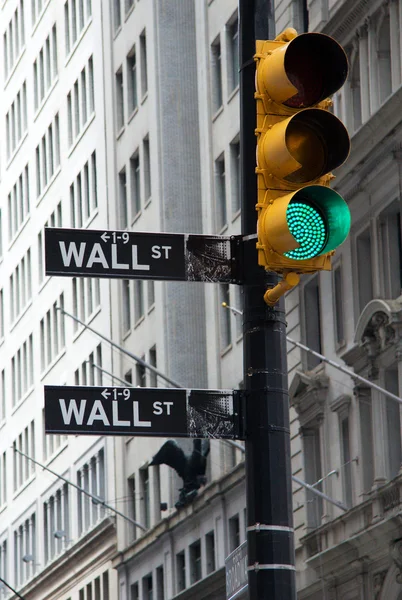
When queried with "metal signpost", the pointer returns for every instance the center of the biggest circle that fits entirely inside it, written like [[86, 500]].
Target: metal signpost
[[155, 412]]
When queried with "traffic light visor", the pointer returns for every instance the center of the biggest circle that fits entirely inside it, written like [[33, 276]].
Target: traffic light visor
[[305, 71], [319, 220]]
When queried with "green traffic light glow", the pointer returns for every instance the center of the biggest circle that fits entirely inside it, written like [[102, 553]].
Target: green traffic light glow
[[307, 226]]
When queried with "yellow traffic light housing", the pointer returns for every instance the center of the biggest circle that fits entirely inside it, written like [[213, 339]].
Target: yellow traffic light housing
[[300, 219]]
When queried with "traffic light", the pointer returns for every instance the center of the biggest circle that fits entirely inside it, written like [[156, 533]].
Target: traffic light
[[301, 220]]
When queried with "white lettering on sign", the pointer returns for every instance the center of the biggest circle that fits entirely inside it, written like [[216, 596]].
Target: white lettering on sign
[[67, 413], [97, 256], [156, 251], [135, 261], [72, 250], [159, 406], [115, 264], [116, 420], [137, 422], [98, 414], [73, 410], [72, 253]]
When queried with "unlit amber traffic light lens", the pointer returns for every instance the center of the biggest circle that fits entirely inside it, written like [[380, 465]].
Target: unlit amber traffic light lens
[[307, 147]]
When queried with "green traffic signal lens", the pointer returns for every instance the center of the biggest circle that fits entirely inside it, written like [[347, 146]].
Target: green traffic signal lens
[[307, 226]]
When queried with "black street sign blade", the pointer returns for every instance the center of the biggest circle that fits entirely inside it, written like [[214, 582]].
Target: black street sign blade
[[141, 255], [151, 412]]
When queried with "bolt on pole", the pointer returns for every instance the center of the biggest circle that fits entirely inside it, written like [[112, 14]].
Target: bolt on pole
[[270, 534]]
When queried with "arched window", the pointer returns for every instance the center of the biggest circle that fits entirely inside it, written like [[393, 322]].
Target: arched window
[[384, 59]]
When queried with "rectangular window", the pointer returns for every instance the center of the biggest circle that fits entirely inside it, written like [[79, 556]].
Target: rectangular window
[[224, 316], [132, 82], [81, 102], [364, 268], [210, 552], [220, 191], [86, 299], [233, 54], [132, 503], [338, 304], [25, 543], [20, 287], [151, 293], [18, 204], [181, 571], [313, 472], [147, 169], [126, 305], [195, 562], [393, 426], [91, 477], [152, 361], [75, 19], [160, 583], [45, 68], [366, 436], [134, 591], [140, 371], [129, 4], [23, 468], [51, 442], [4, 563], [144, 65], [117, 14], [83, 193], [16, 121], [135, 185], [22, 375], [55, 220], [346, 461], [123, 207], [56, 526], [3, 481], [216, 70], [90, 372], [48, 156], [52, 334], [312, 321], [234, 533], [145, 507], [235, 172], [14, 38], [138, 300], [119, 99], [2, 395], [147, 587], [391, 250]]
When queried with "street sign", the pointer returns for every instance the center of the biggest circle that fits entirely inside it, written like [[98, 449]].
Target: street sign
[[154, 412], [133, 255], [236, 573]]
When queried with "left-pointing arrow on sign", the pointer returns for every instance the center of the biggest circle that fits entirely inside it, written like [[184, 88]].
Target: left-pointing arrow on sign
[[105, 237], [105, 394]]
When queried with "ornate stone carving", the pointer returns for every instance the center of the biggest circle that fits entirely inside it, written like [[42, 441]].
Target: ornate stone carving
[[396, 555], [377, 337], [378, 580]]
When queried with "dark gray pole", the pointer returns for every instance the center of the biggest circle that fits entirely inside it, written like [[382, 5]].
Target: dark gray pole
[[270, 535]]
